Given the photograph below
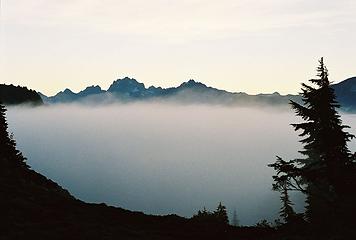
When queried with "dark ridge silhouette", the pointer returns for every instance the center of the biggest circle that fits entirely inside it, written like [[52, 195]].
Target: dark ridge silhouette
[[11, 95]]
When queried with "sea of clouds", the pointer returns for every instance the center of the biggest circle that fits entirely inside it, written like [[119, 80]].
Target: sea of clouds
[[162, 158]]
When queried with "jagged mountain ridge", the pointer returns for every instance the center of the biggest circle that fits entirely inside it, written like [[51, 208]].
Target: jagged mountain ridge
[[129, 89]]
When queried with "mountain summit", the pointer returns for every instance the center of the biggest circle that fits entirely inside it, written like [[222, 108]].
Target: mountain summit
[[192, 84], [127, 86], [91, 91]]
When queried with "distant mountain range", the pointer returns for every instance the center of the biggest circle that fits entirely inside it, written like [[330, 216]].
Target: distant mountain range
[[129, 89], [191, 92]]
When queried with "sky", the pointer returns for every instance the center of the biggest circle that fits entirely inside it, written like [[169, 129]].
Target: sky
[[254, 46]]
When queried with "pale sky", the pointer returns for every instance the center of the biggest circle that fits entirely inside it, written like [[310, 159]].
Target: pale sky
[[254, 46]]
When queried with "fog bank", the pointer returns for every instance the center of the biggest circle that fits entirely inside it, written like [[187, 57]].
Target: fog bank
[[160, 158]]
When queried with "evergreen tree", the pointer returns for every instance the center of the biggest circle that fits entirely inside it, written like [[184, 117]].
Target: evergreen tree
[[287, 213], [221, 214], [325, 174], [9, 155]]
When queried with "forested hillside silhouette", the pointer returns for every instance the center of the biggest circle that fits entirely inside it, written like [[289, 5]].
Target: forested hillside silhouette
[[11, 95]]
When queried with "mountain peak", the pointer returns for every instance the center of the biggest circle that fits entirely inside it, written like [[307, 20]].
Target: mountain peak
[[93, 87], [129, 86], [90, 90], [68, 91], [65, 96], [192, 83], [125, 79]]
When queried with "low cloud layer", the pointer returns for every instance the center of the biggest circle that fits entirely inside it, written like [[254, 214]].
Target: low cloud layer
[[160, 158]]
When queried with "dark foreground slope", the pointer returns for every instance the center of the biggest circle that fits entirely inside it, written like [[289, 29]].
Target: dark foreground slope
[[34, 207], [10, 94]]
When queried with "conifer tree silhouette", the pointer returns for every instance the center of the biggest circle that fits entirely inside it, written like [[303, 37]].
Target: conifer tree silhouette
[[326, 173], [287, 212], [221, 214], [9, 155]]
